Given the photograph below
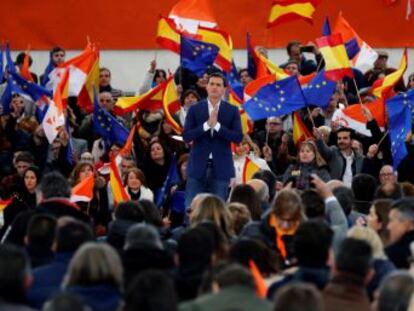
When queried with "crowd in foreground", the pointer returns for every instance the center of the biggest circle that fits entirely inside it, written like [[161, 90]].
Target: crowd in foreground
[[325, 224]]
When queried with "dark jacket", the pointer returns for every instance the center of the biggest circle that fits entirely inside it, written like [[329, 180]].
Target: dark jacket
[[99, 297], [48, 279], [316, 276], [59, 207], [399, 252], [346, 292], [300, 175], [8, 306], [217, 144], [382, 267], [239, 298]]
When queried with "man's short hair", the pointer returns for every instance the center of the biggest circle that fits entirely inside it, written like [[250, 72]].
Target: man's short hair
[[54, 184], [14, 268], [314, 204], [195, 246], [56, 49], [41, 231], [218, 75], [312, 242], [292, 44], [345, 197], [354, 257], [405, 207], [24, 156], [293, 297], [234, 274], [20, 59], [396, 291], [65, 302], [142, 234], [346, 129], [130, 210], [104, 69], [72, 235]]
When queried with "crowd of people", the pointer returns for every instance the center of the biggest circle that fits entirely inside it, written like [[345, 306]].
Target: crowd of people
[[323, 224]]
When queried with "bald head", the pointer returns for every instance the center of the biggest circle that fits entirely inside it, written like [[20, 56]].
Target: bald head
[[387, 175], [334, 183], [261, 189]]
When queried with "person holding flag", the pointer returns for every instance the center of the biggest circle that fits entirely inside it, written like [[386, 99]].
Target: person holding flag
[[211, 125]]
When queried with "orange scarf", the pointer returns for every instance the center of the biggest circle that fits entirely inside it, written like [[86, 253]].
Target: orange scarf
[[280, 233]]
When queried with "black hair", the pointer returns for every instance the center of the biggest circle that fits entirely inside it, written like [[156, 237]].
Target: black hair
[[195, 248], [354, 257], [130, 210], [54, 184], [312, 242], [396, 291], [295, 296], [345, 197], [20, 59], [313, 203], [217, 75], [56, 49], [72, 235], [41, 231]]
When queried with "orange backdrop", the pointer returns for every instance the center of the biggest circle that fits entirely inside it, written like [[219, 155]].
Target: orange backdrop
[[131, 24]]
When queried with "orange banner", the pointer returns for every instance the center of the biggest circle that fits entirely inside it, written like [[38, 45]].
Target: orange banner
[[131, 24]]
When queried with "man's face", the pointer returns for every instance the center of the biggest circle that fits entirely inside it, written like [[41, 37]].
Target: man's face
[[245, 78], [381, 63], [106, 101], [292, 69], [104, 78], [21, 167], [215, 88], [387, 175], [190, 99], [58, 57], [295, 53], [274, 125], [397, 226], [344, 140]]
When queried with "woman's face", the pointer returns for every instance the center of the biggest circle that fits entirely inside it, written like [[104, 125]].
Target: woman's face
[[30, 180], [166, 127], [190, 99], [306, 154], [372, 220], [160, 78], [17, 104], [202, 81], [157, 153], [133, 181], [85, 172]]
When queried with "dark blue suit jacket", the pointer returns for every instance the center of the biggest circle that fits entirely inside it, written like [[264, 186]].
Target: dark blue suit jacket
[[219, 145]]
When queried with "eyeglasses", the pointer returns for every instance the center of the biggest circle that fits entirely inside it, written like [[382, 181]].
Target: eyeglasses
[[386, 174], [275, 123]]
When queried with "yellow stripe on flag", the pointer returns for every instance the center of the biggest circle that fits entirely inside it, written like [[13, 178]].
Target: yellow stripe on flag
[[303, 9], [335, 57], [118, 191], [249, 169], [171, 98]]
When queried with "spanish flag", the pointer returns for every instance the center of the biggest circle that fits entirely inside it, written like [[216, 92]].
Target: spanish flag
[[287, 10], [224, 43], [83, 191], [168, 35], [272, 68], [171, 104], [261, 287], [118, 190], [336, 58], [5, 203], [151, 100], [85, 98], [249, 169], [384, 86], [300, 131], [127, 148], [247, 124]]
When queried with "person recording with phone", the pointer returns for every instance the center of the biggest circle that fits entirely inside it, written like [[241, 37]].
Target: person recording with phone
[[295, 52], [309, 162]]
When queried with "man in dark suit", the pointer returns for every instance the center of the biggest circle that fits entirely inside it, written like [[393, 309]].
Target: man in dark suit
[[211, 125]]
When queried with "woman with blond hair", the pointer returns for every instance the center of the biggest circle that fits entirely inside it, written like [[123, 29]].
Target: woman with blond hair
[[95, 275], [212, 208], [381, 265]]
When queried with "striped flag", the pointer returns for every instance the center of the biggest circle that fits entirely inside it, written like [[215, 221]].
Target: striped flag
[[171, 104], [118, 191], [300, 131], [283, 11], [5, 203], [249, 169], [247, 124]]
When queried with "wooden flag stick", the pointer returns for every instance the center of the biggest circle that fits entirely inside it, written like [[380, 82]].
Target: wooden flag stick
[[382, 138], [357, 91], [310, 117]]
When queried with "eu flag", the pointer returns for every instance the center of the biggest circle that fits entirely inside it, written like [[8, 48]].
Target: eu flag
[[1, 64], [107, 125], [11, 89], [319, 90], [400, 110], [326, 28], [276, 99], [45, 79], [197, 56], [172, 179], [234, 81], [10, 64], [35, 91], [251, 64]]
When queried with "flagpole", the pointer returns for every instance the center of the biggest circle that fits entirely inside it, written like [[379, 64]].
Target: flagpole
[[357, 91], [310, 117], [382, 138]]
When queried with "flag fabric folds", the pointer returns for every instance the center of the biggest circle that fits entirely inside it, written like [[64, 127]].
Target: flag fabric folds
[[168, 35], [85, 98], [197, 56], [25, 69], [326, 28], [234, 80], [383, 87], [319, 91], [276, 99], [261, 287], [108, 126], [5, 203], [283, 11], [300, 131], [11, 89], [34, 90], [336, 59], [223, 41], [353, 117], [249, 169], [151, 100], [171, 104], [1, 63], [118, 191], [400, 111], [246, 123], [83, 191]]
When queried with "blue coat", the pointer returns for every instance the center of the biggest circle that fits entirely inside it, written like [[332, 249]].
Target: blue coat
[[219, 145]]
